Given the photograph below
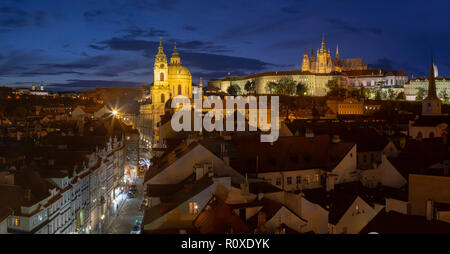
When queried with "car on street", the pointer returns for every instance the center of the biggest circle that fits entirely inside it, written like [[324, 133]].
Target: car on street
[[130, 195], [136, 230], [143, 204]]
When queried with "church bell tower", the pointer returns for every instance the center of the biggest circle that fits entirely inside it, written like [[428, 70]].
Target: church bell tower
[[161, 70], [431, 105]]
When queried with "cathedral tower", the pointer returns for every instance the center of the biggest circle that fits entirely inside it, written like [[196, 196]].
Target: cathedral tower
[[337, 52], [305, 62]]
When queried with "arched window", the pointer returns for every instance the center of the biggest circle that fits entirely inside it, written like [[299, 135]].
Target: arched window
[[179, 89], [161, 76], [163, 98], [419, 135]]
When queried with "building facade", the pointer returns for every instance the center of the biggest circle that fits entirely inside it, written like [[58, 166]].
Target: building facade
[[414, 85], [170, 80]]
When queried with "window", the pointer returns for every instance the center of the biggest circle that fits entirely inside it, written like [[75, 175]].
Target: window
[[278, 181], [193, 208], [316, 178], [179, 89], [306, 180], [299, 180], [16, 221], [289, 180], [163, 98], [161, 76]]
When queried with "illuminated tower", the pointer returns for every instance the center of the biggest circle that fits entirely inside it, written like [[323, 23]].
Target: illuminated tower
[[337, 52], [431, 105], [161, 69], [305, 62]]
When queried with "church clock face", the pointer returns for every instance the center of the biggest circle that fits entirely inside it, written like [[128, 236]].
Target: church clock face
[[161, 66]]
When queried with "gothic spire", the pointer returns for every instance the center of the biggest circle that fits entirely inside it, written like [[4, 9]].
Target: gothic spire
[[432, 83], [323, 43], [337, 52]]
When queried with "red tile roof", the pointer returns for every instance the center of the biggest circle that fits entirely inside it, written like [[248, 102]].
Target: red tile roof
[[219, 219], [396, 223], [249, 155]]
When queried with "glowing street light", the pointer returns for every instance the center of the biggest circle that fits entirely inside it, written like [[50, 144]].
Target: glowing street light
[[114, 112]]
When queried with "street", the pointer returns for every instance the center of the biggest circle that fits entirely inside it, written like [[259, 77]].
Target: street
[[125, 220]]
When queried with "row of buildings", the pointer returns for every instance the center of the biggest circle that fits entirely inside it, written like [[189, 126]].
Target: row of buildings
[[64, 175]]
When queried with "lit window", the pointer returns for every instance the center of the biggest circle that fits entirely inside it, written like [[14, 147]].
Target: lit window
[[299, 179], [278, 181], [306, 180], [193, 208], [316, 178], [289, 180], [16, 221]]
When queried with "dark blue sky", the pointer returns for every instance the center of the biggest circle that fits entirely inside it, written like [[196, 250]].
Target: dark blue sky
[[111, 43]]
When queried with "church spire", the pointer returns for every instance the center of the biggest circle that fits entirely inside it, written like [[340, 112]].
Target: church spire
[[160, 56], [323, 43], [337, 52], [432, 83], [175, 56]]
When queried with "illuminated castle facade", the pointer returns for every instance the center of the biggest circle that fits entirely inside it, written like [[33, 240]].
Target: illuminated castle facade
[[323, 63]]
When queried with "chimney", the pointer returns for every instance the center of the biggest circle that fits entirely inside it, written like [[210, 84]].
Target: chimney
[[330, 182], [309, 133], [261, 222], [336, 139], [224, 153], [430, 210], [402, 142], [28, 195]]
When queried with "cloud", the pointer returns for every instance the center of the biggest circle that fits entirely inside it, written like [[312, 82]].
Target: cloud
[[190, 28], [80, 85], [135, 32], [98, 47], [90, 15], [344, 26], [13, 17]]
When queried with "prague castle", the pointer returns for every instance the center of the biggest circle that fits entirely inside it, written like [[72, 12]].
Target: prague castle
[[316, 71], [170, 80], [323, 63]]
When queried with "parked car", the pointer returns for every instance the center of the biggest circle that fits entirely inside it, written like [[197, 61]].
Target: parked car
[[130, 195], [136, 230], [143, 204]]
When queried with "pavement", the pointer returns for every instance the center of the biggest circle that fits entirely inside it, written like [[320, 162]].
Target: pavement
[[128, 211]]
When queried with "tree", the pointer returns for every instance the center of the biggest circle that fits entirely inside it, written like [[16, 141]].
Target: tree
[[333, 88], [302, 89], [401, 96], [391, 94], [283, 87], [250, 87], [378, 95], [420, 94], [234, 90], [443, 94]]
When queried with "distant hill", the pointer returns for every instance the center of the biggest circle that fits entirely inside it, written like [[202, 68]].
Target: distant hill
[[126, 99]]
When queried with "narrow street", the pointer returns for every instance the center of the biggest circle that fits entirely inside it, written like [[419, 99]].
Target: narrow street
[[125, 220]]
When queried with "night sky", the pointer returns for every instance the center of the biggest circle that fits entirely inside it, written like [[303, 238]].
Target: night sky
[[78, 45]]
